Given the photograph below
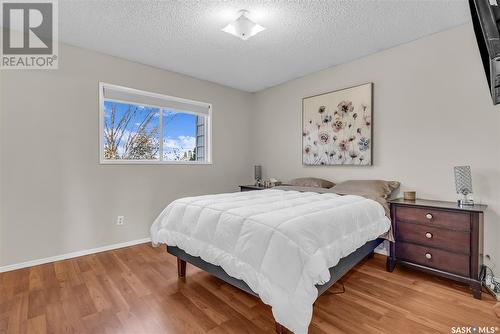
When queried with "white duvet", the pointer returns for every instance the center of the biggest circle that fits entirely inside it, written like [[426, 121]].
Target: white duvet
[[281, 243]]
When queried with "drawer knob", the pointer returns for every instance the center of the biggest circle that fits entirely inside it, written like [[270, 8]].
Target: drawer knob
[[428, 256], [428, 216], [428, 235]]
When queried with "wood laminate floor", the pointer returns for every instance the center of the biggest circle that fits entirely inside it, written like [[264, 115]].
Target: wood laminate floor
[[136, 290]]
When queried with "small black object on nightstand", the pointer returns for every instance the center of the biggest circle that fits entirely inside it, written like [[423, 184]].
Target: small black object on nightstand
[[251, 187], [440, 238]]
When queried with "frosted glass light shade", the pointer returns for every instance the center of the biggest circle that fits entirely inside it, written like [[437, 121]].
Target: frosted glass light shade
[[243, 27]]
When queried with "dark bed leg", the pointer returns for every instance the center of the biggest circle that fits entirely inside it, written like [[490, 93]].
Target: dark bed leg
[[371, 255], [181, 268], [280, 329], [391, 263]]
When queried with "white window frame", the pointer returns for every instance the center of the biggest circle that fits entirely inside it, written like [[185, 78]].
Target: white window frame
[[207, 127]]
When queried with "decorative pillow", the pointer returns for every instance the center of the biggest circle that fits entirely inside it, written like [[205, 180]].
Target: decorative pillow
[[311, 182], [378, 188]]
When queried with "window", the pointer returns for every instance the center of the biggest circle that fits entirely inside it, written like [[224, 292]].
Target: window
[[143, 127]]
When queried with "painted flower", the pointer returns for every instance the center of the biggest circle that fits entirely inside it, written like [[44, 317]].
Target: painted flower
[[307, 149], [344, 145], [305, 133], [364, 144], [324, 138], [368, 120], [338, 125], [327, 119], [321, 109], [353, 154], [345, 107]]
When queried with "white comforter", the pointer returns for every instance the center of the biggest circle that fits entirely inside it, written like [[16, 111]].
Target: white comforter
[[281, 243]]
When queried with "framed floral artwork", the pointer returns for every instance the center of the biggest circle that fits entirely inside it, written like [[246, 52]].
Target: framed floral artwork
[[337, 127]]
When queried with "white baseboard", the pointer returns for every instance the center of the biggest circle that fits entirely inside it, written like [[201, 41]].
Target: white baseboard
[[71, 255], [382, 252], [383, 248]]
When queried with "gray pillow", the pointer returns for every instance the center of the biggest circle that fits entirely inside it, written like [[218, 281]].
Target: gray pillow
[[311, 182], [378, 188]]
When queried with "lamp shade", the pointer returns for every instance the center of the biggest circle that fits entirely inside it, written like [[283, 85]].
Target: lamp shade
[[257, 172], [463, 180]]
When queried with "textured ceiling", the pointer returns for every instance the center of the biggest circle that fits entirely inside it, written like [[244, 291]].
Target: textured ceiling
[[301, 36]]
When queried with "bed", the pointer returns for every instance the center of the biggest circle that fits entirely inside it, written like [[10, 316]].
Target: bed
[[245, 238]]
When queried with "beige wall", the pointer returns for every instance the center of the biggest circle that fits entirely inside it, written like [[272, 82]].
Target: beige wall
[[432, 111], [57, 198], [431, 106]]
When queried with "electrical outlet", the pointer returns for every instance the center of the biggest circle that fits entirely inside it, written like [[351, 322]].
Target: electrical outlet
[[120, 220]]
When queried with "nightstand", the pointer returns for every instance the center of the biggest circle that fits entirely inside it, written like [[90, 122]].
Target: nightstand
[[251, 187], [440, 238]]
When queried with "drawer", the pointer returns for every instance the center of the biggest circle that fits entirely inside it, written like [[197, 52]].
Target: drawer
[[436, 258], [453, 241], [459, 221]]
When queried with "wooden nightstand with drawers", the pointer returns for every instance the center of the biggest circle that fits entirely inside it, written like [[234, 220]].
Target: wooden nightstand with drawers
[[440, 238]]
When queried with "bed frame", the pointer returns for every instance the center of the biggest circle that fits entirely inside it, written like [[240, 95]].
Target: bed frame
[[344, 265]]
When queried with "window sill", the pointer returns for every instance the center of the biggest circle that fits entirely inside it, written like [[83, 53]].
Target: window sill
[[142, 162]]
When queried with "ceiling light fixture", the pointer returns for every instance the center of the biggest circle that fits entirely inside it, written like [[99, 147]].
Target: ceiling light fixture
[[243, 27]]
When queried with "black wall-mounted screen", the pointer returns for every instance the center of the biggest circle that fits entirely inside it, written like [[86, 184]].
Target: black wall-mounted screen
[[486, 22]]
